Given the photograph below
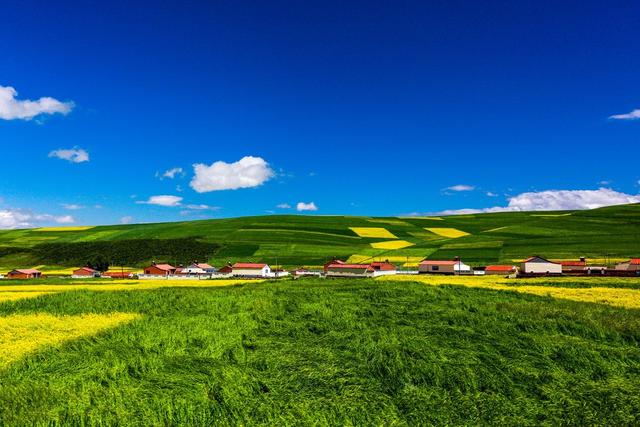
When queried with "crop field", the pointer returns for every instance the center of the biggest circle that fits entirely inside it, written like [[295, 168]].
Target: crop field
[[605, 234], [395, 350]]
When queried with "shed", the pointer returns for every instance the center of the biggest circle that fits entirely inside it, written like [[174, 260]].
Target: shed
[[24, 273], [160, 269]]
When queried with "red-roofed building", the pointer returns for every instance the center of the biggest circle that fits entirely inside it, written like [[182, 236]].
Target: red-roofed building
[[342, 269], [500, 269], [574, 266], [632, 265], [227, 269], [85, 272], [24, 273], [250, 269], [431, 266], [333, 261], [160, 270]]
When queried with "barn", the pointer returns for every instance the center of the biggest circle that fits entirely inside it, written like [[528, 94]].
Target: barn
[[160, 270], [429, 266], [249, 269], [85, 272], [341, 269], [539, 265], [24, 273], [500, 270], [574, 266]]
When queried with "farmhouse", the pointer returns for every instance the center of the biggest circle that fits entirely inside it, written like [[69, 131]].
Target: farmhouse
[[383, 268], [85, 272], [227, 269], [24, 273], [632, 265], [332, 262], [574, 266], [341, 269], [539, 265], [160, 270], [500, 269], [248, 269], [198, 269], [443, 267]]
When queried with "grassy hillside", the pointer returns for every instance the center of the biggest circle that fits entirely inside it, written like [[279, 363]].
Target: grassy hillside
[[318, 352], [293, 240]]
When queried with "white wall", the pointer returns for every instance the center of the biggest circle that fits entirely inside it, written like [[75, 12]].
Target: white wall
[[542, 268]]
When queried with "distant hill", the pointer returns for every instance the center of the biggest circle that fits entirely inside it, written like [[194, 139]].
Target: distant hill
[[292, 240]]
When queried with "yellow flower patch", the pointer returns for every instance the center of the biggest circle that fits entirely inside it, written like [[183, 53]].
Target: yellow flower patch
[[373, 232], [70, 228], [452, 233], [12, 296], [21, 334], [391, 244]]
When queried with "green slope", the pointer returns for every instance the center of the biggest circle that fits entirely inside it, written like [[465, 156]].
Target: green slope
[[292, 240]]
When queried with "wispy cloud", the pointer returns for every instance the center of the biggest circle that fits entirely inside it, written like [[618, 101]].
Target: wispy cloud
[[202, 207], [460, 187], [284, 206], [301, 207], [21, 218], [73, 155], [171, 173], [245, 173], [556, 200], [126, 219], [162, 200], [633, 115], [72, 206], [12, 108]]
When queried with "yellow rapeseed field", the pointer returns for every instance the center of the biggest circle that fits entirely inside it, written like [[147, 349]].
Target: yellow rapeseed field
[[12, 296], [122, 285], [405, 261], [373, 232], [391, 244], [70, 228], [619, 297], [24, 333], [452, 233]]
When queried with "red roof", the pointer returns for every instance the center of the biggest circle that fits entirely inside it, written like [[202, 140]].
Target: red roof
[[350, 266], [634, 261], [500, 268], [249, 265], [383, 266], [201, 265], [165, 267], [435, 262], [573, 263], [89, 269], [26, 271]]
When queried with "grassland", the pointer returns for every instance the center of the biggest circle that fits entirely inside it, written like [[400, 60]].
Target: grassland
[[605, 234], [324, 352]]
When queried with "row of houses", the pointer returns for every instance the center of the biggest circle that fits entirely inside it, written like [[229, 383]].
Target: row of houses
[[532, 266]]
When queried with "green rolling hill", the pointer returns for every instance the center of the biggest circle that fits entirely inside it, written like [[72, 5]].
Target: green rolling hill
[[293, 240]]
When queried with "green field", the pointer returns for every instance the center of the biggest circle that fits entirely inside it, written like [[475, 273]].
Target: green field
[[328, 352], [607, 233]]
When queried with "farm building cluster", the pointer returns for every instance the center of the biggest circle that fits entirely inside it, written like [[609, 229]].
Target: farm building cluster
[[531, 267]]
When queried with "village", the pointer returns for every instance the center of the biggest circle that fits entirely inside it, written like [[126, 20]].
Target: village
[[535, 266]]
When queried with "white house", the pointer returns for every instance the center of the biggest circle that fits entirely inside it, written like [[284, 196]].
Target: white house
[[444, 267], [199, 269], [249, 269], [539, 265]]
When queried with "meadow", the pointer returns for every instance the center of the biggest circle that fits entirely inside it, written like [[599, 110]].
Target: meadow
[[392, 351], [605, 235]]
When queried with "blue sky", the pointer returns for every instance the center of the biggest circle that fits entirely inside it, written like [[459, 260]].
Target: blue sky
[[368, 108]]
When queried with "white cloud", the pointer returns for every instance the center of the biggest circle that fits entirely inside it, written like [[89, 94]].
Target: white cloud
[[73, 155], [162, 200], [491, 194], [461, 187], [126, 219], [284, 206], [20, 218], [557, 200], [301, 206], [72, 207], [246, 173], [202, 207], [633, 115], [171, 173], [12, 108]]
